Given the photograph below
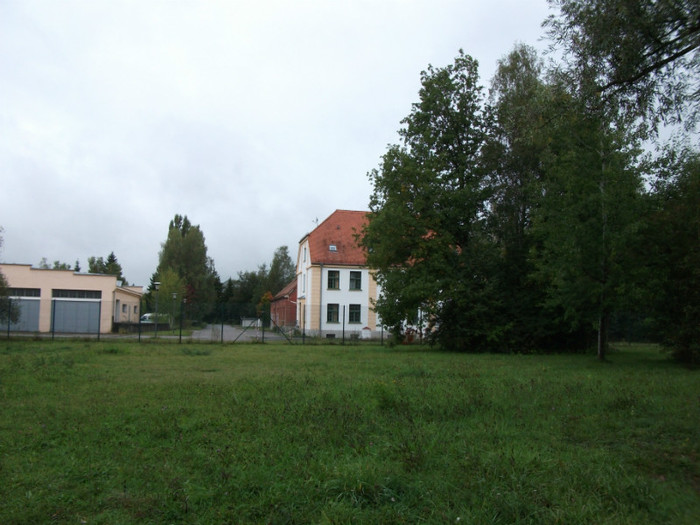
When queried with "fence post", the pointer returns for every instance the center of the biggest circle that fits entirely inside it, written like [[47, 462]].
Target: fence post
[[343, 324], [181, 303], [9, 315], [53, 318], [221, 314], [99, 319]]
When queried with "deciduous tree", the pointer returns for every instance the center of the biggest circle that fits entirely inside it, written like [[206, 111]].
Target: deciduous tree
[[513, 158], [426, 235], [645, 53], [588, 214], [671, 250], [185, 252]]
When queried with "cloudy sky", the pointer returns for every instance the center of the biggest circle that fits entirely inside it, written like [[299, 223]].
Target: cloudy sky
[[253, 118]]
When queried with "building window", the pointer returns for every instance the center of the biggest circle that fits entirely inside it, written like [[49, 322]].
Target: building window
[[332, 313], [124, 308], [303, 284], [77, 294], [355, 313], [333, 280], [24, 292], [304, 254], [136, 309], [356, 280]]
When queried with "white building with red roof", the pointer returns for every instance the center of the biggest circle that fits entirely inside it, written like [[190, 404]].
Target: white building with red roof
[[335, 287]]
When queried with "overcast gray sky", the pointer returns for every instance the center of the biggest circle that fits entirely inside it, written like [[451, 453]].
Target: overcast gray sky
[[253, 118]]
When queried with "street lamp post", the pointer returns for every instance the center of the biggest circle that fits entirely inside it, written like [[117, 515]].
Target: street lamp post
[[172, 317], [182, 304]]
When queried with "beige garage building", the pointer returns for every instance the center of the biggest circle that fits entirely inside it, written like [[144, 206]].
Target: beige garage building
[[63, 301]]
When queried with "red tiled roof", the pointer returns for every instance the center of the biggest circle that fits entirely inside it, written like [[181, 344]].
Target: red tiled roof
[[287, 290], [338, 231]]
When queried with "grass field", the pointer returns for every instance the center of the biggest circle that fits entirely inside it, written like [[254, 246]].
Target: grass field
[[114, 432]]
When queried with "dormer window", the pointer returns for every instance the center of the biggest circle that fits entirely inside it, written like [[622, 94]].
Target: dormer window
[[333, 248]]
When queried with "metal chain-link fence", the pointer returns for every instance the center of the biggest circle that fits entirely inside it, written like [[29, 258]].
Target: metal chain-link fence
[[180, 321]]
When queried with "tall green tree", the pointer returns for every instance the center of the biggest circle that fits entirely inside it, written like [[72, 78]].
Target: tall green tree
[[641, 59], [513, 158], [671, 250], [426, 235], [589, 214], [646, 53], [185, 252], [282, 270]]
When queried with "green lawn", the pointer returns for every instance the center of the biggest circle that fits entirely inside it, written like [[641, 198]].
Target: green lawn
[[115, 432]]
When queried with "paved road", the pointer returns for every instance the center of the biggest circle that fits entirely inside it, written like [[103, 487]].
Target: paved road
[[214, 332]]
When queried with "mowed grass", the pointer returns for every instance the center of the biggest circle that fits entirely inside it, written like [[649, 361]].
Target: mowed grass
[[115, 432]]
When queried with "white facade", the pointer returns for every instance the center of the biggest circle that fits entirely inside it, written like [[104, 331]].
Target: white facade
[[334, 296]]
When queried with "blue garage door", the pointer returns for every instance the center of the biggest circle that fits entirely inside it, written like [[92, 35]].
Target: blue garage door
[[27, 302], [76, 311], [28, 315]]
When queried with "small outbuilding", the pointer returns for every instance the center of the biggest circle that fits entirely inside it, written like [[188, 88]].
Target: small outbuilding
[[283, 308]]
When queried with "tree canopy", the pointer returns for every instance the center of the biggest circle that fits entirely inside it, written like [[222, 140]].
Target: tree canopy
[[644, 53], [57, 265], [108, 266], [427, 212], [243, 294], [526, 221], [184, 253]]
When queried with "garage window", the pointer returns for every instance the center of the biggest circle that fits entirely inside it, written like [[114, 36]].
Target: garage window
[[77, 294]]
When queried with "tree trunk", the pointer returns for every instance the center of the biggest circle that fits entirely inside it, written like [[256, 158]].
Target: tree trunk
[[603, 322]]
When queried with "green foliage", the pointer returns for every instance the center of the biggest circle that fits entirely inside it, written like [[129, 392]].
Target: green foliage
[[241, 295], [282, 270], [513, 158], [185, 253], [109, 266], [588, 214], [510, 226], [426, 224], [115, 432], [671, 247], [171, 292], [644, 54], [57, 265], [7, 311]]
